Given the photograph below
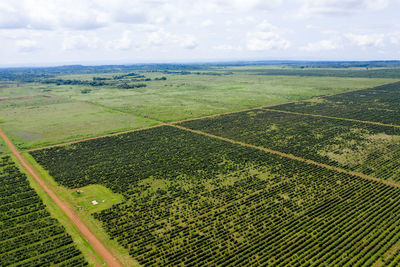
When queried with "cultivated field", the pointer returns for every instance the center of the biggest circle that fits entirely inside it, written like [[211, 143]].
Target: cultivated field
[[29, 236], [194, 199], [379, 104], [69, 107], [363, 147], [218, 176]]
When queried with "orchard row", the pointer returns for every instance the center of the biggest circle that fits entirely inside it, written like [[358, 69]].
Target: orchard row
[[197, 200], [29, 236]]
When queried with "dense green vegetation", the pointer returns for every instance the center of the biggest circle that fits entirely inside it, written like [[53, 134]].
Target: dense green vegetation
[[360, 73], [175, 197], [29, 236], [196, 200], [52, 113], [378, 104], [366, 148]]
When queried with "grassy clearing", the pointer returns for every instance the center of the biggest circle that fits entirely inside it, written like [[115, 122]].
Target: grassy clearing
[[102, 195], [189, 96], [84, 211], [31, 126], [70, 114]]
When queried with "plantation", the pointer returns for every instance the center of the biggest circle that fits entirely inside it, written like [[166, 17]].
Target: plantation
[[379, 104], [195, 200], [366, 148], [29, 236], [91, 101]]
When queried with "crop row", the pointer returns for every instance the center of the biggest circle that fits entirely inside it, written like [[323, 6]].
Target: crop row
[[28, 235], [378, 104], [367, 148], [196, 200]]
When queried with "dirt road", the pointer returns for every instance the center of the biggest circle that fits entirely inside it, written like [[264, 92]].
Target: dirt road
[[103, 252], [289, 156]]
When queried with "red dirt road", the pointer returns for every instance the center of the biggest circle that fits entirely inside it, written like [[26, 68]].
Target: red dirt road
[[103, 252]]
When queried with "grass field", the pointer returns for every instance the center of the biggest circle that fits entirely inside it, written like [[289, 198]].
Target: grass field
[[189, 96], [45, 124], [70, 114]]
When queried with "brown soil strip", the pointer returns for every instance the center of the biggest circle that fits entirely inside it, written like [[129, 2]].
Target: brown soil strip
[[22, 97], [330, 117], [289, 156], [16, 98], [103, 252]]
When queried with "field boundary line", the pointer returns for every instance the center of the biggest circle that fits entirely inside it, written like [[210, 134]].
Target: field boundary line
[[103, 252], [193, 119], [331, 117], [279, 104], [288, 156]]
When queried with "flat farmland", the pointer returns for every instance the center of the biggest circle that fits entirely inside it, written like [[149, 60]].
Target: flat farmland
[[74, 110], [29, 235], [195, 200], [366, 148], [380, 104], [191, 96], [35, 123]]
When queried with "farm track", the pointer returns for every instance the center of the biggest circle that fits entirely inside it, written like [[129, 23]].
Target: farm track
[[288, 156], [103, 252]]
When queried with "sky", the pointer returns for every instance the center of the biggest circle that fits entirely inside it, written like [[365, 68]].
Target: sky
[[54, 32]]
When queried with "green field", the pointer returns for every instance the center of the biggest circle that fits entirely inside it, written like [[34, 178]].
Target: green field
[[196, 200], [39, 125], [366, 148], [268, 183], [30, 236], [68, 114], [379, 104]]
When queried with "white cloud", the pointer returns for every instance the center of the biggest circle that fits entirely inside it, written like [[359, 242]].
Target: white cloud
[[366, 40], [242, 5], [189, 42], [228, 47], [173, 29], [207, 23], [10, 17], [160, 38], [125, 43], [394, 38], [267, 37], [340, 7], [79, 42], [26, 45], [323, 45]]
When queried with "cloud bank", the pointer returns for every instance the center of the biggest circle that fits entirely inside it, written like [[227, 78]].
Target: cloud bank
[[187, 30]]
